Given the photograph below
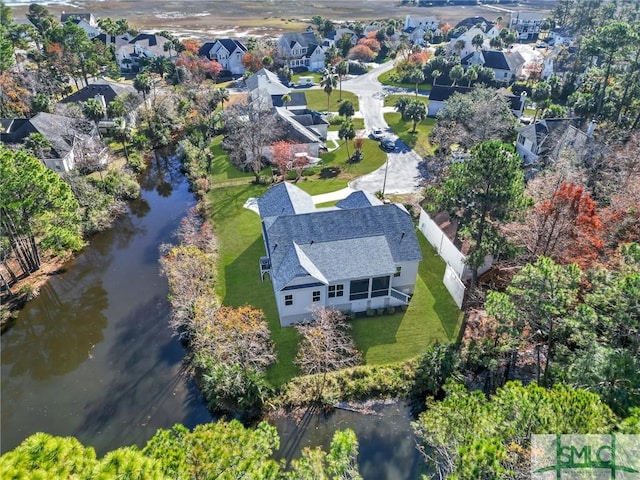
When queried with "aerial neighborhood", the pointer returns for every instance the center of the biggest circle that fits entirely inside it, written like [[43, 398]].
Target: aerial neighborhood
[[443, 210]]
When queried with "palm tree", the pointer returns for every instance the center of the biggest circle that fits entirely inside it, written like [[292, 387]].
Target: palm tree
[[286, 98], [416, 76], [456, 73], [142, 83], [94, 110], [222, 95], [342, 68], [416, 111], [435, 74], [459, 46], [123, 132], [477, 41], [346, 109], [496, 42], [328, 83], [401, 105], [471, 75], [347, 132]]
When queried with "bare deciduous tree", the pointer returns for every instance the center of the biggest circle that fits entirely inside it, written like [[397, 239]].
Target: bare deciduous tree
[[326, 346], [250, 128]]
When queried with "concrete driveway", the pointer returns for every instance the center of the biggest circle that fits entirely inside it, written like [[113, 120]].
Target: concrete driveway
[[401, 172]]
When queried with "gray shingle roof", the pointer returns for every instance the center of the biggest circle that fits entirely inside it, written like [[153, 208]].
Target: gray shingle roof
[[304, 39], [443, 92], [284, 199], [58, 130], [109, 90], [358, 199], [336, 244]]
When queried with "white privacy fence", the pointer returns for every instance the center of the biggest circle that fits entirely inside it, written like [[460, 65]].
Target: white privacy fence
[[457, 270]]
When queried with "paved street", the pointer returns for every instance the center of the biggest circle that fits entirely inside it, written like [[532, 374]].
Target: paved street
[[401, 170]]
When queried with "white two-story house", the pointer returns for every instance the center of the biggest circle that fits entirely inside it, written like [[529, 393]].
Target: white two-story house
[[228, 52], [301, 50], [359, 255]]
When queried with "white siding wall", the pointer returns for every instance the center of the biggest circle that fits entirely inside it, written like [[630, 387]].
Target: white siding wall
[[406, 282]]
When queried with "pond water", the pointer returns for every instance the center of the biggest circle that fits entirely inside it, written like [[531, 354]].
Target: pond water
[[92, 356], [387, 446]]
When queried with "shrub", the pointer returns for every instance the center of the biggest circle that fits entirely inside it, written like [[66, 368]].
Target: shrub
[[370, 312], [391, 310], [380, 311], [136, 163]]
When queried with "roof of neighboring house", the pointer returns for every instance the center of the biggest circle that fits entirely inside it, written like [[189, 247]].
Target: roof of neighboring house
[[298, 125], [333, 245], [87, 17], [471, 22], [527, 16], [339, 32], [205, 48], [117, 40], [306, 39], [231, 44], [539, 131], [266, 80], [109, 90], [60, 131], [515, 101], [298, 100], [443, 92], [495, 59]]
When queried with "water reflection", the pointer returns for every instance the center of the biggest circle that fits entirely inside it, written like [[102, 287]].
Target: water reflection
[[387, 446], [93, 355]]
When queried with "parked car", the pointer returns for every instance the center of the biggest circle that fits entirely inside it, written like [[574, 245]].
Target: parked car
[[377, 134], [388, 144]]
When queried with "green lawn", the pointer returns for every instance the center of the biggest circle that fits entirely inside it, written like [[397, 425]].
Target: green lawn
[[432, 317], [221, 169], [418, 141], [358, 124], [317, 76], [386, 79], [317, 100], [390, 100]]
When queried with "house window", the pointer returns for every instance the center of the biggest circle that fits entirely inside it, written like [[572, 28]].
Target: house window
[[359, 289], [398, 272], [336, 291], [288, 300], [316, 296], [380, 287]]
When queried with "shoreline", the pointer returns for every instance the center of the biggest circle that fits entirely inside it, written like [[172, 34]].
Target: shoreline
[[262, 18]]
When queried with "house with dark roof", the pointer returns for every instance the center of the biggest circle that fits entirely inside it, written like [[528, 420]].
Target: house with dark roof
[[439, 95], [64, 134], [85, 23], [130, 56], [359, 255], [471, 22], [543, 140], [102, 90], [228, 52], [527, 24], [335, 35], [298, 50], [506, 65], [87, 17], [416, 27]]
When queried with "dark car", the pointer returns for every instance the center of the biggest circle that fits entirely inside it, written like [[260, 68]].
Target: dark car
[[388, 144]]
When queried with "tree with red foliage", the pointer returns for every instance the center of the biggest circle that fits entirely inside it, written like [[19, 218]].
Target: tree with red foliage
[[362, 53], [371, 42], [282, 156], [191, 45], [199, 67], [289, 157], [252, 61], [564, 226]]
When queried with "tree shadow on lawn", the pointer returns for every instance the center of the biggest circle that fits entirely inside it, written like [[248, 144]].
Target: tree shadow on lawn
[[376, 331]]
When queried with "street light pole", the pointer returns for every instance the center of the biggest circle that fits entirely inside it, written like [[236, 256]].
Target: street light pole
[[386, 168]]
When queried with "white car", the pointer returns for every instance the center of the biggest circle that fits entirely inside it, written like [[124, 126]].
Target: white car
[[377, 134]]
